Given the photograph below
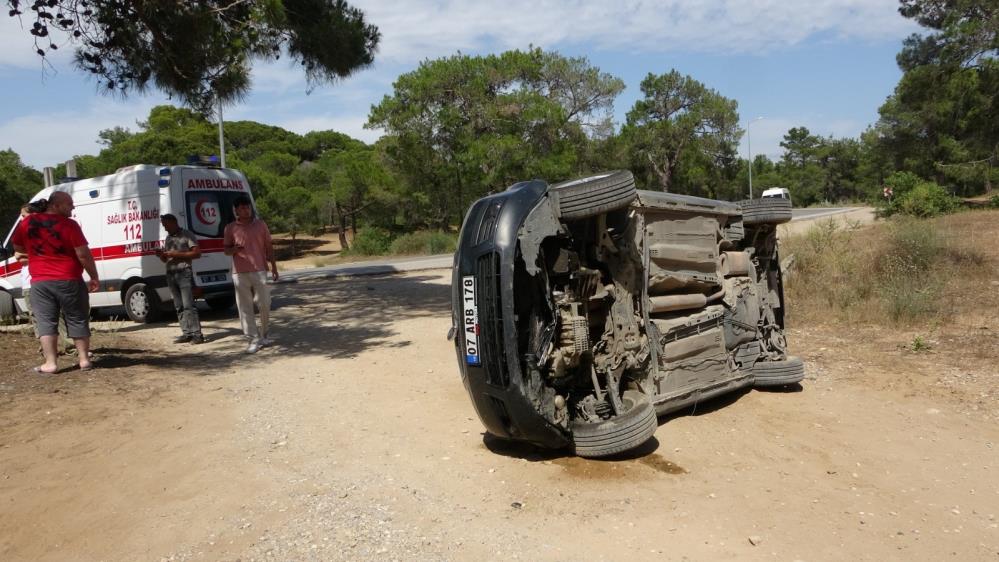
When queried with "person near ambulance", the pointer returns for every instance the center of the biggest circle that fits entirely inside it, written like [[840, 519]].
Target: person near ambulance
[[248, 241], [179, 249], [58, 254], [64, 345]]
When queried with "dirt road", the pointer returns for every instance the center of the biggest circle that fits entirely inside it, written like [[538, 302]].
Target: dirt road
[[352, 439]]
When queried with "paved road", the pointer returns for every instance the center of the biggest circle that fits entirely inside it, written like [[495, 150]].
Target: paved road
[[805, 214], [394, 265]]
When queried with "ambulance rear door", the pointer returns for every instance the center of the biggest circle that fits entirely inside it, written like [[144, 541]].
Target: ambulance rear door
[[207, 196]]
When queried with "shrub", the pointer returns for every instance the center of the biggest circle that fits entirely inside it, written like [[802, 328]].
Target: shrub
[[916, 197], [927, 200], [424, 242], [371, 241]]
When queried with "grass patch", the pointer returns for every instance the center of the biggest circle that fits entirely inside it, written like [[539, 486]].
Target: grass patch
[[424, 242], [903, 272]]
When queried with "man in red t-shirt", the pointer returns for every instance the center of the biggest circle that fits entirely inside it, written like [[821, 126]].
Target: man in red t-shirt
[[58, 254]]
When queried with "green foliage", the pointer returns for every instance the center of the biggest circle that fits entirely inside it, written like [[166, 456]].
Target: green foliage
[[463, 126], [18, 183], [916, 197], [291, 209], [927, 200], [942, 121], [425, 242], [919, 344], [372, 241], [682, 128], [201, 52]]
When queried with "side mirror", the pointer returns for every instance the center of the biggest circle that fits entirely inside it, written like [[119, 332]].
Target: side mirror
[[4, 254]]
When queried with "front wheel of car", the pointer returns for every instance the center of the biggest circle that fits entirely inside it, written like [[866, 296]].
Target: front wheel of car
[[778, 373], [593, 195], [769, 210], [618, 434]]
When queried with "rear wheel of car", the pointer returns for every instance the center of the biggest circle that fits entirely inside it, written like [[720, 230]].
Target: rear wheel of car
[[594, 195], [778, 373], [770, 210], [142, 305], [8, 312], [618, 434]]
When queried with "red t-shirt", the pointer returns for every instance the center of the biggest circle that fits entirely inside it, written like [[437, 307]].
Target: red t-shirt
[[51, 241]]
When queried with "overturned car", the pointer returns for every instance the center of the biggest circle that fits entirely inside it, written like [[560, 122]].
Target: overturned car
[[583, 309]]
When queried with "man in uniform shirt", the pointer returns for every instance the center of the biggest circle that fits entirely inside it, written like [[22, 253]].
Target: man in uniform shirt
[[248, 241], [179, 249]]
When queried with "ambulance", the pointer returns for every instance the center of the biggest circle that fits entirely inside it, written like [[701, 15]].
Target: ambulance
[[120, 215]]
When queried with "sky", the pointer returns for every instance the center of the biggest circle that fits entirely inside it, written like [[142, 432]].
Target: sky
[[823, 64]]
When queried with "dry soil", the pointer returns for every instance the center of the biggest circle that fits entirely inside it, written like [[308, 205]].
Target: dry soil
[[352, 439]]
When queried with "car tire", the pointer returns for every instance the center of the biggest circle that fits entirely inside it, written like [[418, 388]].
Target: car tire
[[221, 304], [618, 434], [593, 195], [771, 210], [778, 373], [8, 312], [142, 304]]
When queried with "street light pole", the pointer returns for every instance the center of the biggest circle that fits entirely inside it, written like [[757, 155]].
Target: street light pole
[[222, 138], [749, 145]]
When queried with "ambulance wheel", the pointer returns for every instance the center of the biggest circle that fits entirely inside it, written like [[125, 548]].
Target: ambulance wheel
[[142, 305], [8, 312], [221, 304]]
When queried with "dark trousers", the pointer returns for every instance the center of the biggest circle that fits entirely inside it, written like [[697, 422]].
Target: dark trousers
[[181, 283]]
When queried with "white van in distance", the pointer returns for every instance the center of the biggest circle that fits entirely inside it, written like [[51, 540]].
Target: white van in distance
[[120, 216], [777, 192]]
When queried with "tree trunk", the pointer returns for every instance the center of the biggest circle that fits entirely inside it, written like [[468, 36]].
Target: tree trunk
[[342, 228], [662, 172]]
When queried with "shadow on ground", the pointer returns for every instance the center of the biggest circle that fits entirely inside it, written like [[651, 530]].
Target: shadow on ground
[[333, 318]]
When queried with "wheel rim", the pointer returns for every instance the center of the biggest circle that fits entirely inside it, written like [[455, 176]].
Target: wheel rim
[[139, 303]]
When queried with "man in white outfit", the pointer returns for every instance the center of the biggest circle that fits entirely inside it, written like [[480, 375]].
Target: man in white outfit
[[248, 241]]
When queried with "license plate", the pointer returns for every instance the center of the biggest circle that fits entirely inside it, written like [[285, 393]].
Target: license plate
[[471, 324], [213, 278]]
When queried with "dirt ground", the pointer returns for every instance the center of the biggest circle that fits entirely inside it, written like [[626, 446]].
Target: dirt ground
[[352, 439]]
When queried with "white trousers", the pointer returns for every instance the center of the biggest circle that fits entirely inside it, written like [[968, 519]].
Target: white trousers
[[248, 285]]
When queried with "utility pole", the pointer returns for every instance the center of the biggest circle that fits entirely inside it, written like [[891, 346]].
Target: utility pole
[[749, 144], [222, 138]]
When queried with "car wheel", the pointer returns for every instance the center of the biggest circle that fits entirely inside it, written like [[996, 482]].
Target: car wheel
[[778, 373], [142, 305], [593, 195], [8, 312], [221, 304], [770, 210], [618, 434]]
